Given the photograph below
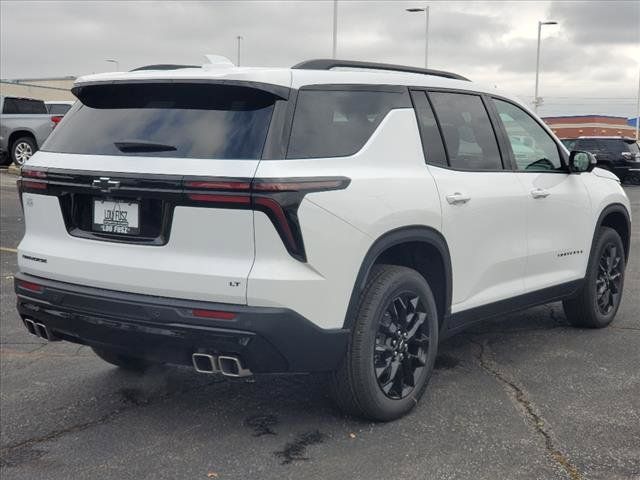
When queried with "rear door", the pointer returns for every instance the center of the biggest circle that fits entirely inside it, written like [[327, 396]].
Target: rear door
[[482, 204], [558, 206], [147, 190]]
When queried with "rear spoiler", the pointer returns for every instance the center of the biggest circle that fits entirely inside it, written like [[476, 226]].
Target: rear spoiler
[[276, 90]]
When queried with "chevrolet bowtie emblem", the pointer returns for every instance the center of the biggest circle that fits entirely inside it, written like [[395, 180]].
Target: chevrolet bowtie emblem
[[105, 184]]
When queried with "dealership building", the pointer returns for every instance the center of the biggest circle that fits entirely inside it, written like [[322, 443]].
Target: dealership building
[[591, 125]]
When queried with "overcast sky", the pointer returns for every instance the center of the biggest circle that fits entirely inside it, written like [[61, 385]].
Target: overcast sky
[[590, 61]]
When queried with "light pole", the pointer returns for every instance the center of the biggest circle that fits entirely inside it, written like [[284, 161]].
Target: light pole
[[239, 38], [537, 101], [114, 61], [335, 29], [426, 32], [638, 111]]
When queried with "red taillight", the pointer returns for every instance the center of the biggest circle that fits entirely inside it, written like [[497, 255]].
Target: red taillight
[[211, 197], [215, 314], [33, 173], [305, 185], [31, 185], [278, 198], [56, 119], [32, 287], [217, 185], [274, 210]]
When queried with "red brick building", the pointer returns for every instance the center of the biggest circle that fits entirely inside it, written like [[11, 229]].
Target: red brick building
[[590, 125]]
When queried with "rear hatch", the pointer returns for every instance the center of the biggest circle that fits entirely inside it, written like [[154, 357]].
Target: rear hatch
[[144, 187]]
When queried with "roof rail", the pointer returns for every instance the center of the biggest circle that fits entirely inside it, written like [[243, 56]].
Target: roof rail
[[328, 64], [164, 66]]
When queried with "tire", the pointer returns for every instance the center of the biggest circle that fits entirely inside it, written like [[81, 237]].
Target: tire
[[125, 362], [357, 385], [5, 159], [22, 150], [597, 303]]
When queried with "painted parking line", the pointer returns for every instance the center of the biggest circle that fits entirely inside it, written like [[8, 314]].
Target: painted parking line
[[7, 249]]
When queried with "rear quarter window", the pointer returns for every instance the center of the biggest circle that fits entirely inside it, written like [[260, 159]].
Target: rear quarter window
[[337, 123]]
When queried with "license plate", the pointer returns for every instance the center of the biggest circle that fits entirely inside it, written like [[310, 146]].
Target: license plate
[[116, 216]]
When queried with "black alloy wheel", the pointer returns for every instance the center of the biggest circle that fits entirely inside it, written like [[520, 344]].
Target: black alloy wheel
[[401, 347], [609, 279], [596, 303]]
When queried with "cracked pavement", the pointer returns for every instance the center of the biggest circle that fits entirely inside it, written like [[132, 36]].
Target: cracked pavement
[[522, 397]]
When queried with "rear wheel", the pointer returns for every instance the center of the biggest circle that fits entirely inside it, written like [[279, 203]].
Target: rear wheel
[[393, 346], [22, 150], [125, 362], [598, 302]]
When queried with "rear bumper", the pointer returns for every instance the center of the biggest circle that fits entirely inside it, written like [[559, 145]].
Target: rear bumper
[[160, 329]]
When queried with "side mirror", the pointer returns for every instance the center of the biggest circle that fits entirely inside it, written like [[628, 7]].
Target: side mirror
[[581, 161]]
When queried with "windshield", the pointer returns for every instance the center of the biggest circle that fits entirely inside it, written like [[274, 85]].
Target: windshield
[[166, 120]]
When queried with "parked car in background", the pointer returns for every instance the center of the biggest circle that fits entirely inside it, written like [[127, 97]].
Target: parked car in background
[[25, 124], [58, 110], [60, 107], [617, 154]]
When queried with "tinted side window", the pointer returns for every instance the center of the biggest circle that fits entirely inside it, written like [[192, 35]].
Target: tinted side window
[[335, 123], [469, 137], [27, 106], [429, 131], [58, 108], [9, 106], [533, 148]]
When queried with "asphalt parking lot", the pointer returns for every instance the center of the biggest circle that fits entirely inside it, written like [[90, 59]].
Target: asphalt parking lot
[[523, 397]]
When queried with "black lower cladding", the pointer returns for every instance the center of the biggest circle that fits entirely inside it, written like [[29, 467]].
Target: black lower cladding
[[267, 340]]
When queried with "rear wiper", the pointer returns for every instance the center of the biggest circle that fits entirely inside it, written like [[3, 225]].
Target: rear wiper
[[133, 146]]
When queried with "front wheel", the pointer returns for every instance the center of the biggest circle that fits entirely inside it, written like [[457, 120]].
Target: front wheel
[[597, 303], [393, 346]]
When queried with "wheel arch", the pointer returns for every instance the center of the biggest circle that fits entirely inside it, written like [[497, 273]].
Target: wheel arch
[[615, 216], [15, 135], [419, 247]]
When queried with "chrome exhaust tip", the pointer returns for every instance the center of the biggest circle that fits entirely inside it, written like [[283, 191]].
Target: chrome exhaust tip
[[204, 363], [232, 367], [31, 326], [44, 332]]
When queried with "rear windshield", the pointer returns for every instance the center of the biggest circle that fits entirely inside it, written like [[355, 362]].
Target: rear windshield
[[166, 120], [23, 106], [615, 145], [337, 123]]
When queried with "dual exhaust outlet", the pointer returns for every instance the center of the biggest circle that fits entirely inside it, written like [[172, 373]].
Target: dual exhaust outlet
[[227, 365], [39, 330]]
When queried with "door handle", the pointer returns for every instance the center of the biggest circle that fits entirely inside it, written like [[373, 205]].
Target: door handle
[[540, 193], [457, 198]]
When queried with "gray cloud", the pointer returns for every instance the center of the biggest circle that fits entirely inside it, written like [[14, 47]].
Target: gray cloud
[[492, 42], [599, 22]]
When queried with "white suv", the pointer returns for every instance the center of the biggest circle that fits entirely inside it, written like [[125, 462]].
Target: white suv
[[312, 219]]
